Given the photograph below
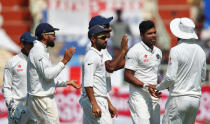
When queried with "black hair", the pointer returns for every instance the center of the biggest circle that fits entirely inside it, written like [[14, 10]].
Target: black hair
[[40, 37], [146, 25], [89, 35]]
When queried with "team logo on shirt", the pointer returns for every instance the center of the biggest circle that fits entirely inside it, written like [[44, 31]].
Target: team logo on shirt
[[90, 63], [157, 56], [102, 64], [19, 68], [145, 58]]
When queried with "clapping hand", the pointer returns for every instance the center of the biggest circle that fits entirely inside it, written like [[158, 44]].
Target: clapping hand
[[68, 54]]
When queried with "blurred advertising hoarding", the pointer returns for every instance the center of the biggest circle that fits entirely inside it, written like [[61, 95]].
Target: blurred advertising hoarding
[[70, 111], [72, 16]]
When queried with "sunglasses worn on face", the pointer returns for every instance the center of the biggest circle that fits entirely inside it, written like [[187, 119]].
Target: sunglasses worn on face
[[103, 37], [50, 33]]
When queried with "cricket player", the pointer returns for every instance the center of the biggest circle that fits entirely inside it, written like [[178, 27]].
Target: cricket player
[[15, 82], [141, 70], [97, 108], [41, 76], [186, 69], [119, 61], [110, 63]]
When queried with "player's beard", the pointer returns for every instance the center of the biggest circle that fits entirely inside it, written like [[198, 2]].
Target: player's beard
[[101, 45], [50, 43]]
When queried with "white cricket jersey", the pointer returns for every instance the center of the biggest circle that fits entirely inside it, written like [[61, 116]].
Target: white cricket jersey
[[186, 69], [94, 73], [106, 56], [15, 78], [41, 73], [144, 62]]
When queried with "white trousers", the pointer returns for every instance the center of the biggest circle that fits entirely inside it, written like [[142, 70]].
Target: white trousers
[[181, 110], [143, 109], [43, 110], [25, 117], [89, 118]]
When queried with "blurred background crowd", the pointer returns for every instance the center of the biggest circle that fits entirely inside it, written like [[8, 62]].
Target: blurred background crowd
[[72, 17]]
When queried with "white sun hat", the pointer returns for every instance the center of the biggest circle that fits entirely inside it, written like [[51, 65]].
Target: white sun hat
[[183, 28]]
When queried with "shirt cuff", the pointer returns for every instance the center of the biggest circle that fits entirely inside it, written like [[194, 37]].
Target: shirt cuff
[[130, 68], [88, 84]]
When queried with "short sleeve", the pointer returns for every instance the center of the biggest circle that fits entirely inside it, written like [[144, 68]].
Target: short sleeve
[[131, 60]]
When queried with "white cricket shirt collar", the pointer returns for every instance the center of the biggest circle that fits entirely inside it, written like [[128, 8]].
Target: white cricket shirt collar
[[95, 50], [41, 44], [146, 47], [22, 55]]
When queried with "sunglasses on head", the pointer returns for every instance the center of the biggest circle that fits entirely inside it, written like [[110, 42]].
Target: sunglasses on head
[[102, 36], [106, 25]]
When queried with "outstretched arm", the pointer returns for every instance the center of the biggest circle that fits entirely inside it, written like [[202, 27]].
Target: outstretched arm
[[171, 72]]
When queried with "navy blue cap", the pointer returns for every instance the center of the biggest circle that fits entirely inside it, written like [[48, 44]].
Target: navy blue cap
[[27, 37], [97, 29], [44, 28], [99, 20]]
